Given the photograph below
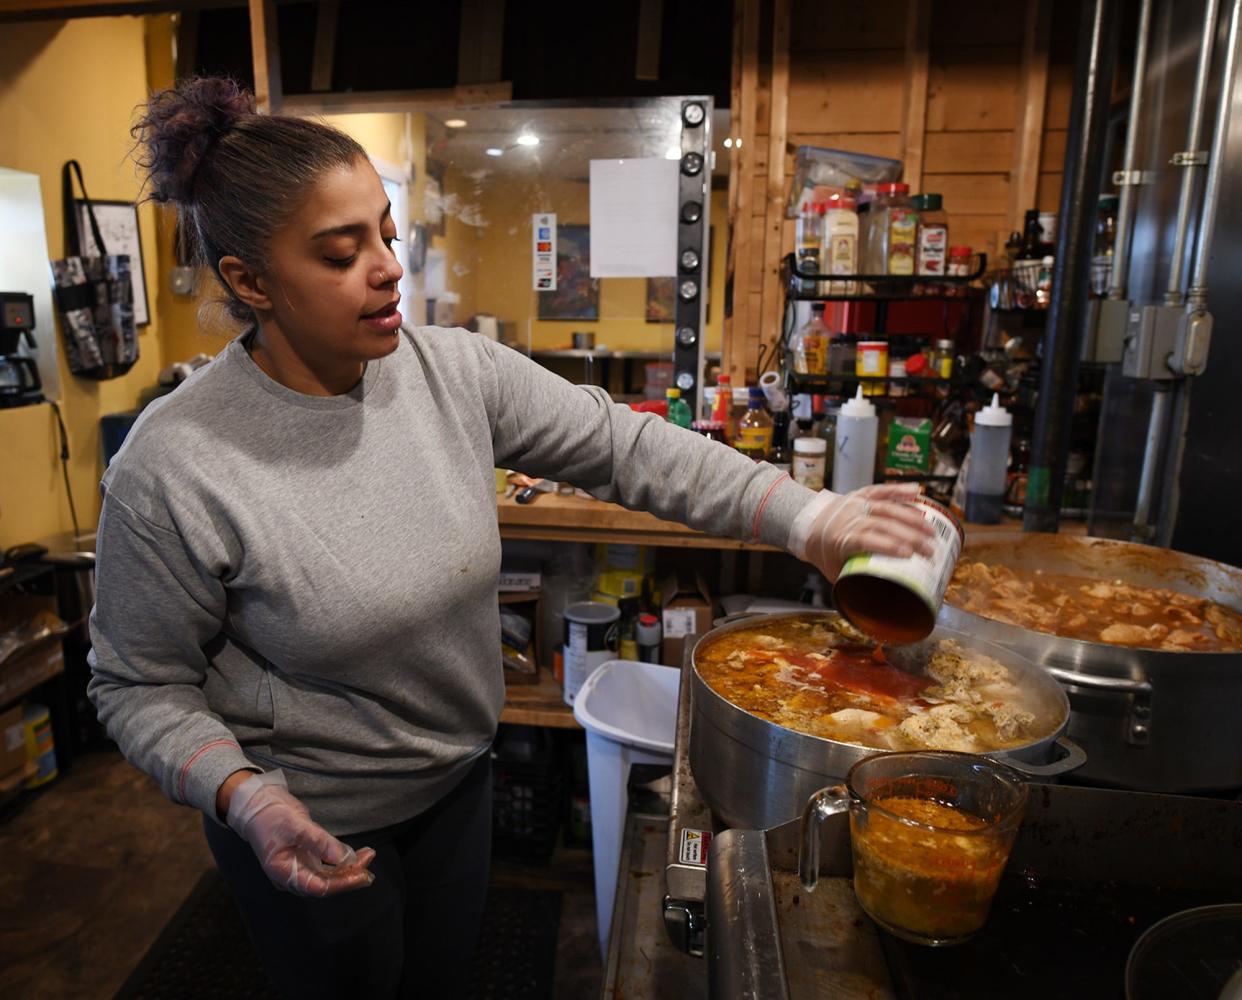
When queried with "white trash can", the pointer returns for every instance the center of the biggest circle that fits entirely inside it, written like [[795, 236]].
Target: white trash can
[[629, 712]]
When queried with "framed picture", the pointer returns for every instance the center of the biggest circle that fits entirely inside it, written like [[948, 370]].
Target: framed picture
[[577, 293], [661, 300], [118, 225]]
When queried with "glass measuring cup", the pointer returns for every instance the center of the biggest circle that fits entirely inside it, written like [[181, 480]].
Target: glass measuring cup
[[930, 832]]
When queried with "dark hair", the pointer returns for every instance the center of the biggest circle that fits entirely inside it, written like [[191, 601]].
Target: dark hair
[[234, 176]]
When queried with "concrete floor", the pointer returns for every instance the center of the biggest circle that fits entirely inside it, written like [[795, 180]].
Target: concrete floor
[[96, 864]]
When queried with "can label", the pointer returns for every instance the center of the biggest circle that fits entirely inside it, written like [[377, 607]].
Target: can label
[[933, 249], [586, 647], [808, 470], [926, 576]]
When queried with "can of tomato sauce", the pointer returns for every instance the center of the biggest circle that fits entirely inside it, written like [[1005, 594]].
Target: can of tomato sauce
[[896, 600]]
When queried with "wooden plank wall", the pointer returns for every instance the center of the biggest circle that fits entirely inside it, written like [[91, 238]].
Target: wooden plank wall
[[973, 95]]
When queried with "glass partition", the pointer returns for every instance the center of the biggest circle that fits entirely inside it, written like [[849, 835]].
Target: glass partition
[[477, 178]]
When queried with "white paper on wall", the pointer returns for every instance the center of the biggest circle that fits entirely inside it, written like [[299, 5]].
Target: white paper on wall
[[634, 218]]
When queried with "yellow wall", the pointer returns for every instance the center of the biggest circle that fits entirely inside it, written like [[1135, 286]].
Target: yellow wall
[[67, 90], [490, 266]]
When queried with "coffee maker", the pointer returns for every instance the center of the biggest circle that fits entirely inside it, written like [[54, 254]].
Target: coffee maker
[[20, 384]]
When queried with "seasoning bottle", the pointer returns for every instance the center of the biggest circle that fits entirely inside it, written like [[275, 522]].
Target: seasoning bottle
[[754, 430], [897, 371], [648, 635], [876, 234], [989, 462], [809, 458], [781, 455], [893, 231], [942, 358], [810, 344], [678, 411], [960, 265], [808, 244], [841, 241], [933, 248], [853, 461], [627, 645], [722, 407], [871, 362]]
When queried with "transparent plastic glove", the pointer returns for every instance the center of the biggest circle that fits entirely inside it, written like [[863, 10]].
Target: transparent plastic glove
[[297, 854], [881, 519]]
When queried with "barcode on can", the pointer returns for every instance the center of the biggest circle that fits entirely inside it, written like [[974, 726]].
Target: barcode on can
[[944, 529]]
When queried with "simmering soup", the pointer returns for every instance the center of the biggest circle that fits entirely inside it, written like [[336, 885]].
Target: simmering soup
[[820, 677], [1080, 607]]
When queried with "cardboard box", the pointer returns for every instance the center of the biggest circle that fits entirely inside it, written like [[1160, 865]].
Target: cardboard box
[[12, 739], [687, 610]]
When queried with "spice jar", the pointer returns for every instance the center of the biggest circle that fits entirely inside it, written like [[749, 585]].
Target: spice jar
[[871, 362], [809, 460], [959, 266], [897, 370], [942, 358]]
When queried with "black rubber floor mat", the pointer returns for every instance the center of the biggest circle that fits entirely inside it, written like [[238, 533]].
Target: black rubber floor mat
[[517, 947], [203, 952]]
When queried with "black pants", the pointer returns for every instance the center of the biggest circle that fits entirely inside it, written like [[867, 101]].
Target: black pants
[[412, 933]]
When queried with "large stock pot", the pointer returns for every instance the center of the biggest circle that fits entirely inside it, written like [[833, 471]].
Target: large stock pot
[[1148, 719], [756, 774]]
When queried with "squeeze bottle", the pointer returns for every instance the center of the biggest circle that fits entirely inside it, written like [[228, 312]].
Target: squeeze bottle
[[853, 463], [989, 460]]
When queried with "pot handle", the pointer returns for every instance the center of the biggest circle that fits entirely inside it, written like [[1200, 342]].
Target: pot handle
[[824, 803], [1121, 685], [1075, 757]]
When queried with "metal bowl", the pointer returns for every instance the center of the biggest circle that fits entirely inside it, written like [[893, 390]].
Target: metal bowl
[[756, 774], [1149, 719]]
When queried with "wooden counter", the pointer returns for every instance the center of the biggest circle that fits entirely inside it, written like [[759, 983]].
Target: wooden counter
[[541, 704], [555, 518]]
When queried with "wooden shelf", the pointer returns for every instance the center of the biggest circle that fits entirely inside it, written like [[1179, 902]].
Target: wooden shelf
[[541, 704], [556, 518], [14, 779]]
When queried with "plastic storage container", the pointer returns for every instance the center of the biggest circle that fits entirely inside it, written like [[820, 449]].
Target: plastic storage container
[[809, 459], [989, 463], [629, 712], [527, 793], [853, 461]]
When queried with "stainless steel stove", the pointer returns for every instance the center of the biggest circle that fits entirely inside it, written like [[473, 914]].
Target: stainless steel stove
[[1091, 870]]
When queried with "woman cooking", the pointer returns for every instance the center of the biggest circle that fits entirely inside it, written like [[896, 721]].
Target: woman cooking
[[296, 622]]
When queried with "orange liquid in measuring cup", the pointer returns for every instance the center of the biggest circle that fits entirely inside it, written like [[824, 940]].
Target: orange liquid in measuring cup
[[930, 885]]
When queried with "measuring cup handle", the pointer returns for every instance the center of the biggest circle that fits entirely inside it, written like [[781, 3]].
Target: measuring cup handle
[[824, 803]]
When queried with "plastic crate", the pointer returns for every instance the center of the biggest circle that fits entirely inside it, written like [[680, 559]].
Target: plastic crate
[[527, 794]]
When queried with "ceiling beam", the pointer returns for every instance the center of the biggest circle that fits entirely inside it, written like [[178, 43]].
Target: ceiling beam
[[46, 10], [480, 44], [325, 44], [265, 49], [374, 101]]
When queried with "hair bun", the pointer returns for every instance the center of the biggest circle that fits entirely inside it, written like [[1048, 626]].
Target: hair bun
[[178, 127]]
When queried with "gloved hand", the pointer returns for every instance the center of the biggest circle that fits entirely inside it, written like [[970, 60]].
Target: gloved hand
[[297, 854], [880, 519]]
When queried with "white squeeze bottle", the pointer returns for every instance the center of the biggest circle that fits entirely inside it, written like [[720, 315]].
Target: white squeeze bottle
[[989, 460], [853, 464]]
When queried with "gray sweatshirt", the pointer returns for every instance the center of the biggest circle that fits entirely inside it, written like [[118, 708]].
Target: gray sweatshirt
[[309, 582]]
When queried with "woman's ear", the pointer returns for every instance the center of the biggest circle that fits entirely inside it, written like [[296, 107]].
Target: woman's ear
[[245, 282]]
